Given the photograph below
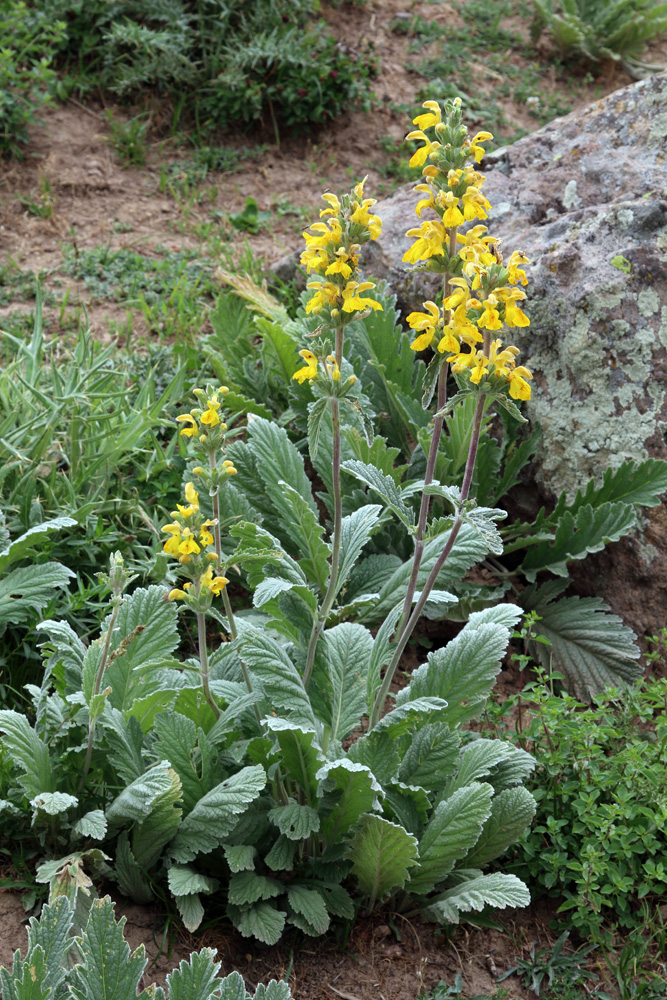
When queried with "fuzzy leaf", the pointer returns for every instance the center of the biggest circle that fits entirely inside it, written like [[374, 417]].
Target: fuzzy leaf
[[278, 676], [484, 890], [240, 857], [356, 530], [191, 911], [185, 881], [300, 755], [27, 752], [454, 829], [215, 815], [464, 672], [107, 971], [431, 756], [316, 413], [305, 527], [54, 803], [25, 591], [278, 462], [262, 921], [511, 813], [589, 531], [31, 539], [349, 648], [248, 887], [136, 801], [295, 821], [196, 979], [309, 903], [384, 486], [131, 877], [352, 789], [52, 933], [382, 854], [591, 647], [476, 761], [185, 746], [281, 856]]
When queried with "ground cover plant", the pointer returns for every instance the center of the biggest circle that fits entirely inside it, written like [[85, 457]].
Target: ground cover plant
[[275, 808]]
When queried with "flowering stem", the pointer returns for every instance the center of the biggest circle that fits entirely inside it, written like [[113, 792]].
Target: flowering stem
[[329, 597], [402, 640], [430, 462], [96, 689], [218, 551], [203, 661]]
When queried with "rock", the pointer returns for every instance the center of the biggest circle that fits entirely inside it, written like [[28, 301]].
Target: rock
[[586, 198]]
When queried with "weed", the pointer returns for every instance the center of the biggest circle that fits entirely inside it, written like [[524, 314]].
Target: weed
[[39, 203], [128, 138], [551, 966], [250, 219]]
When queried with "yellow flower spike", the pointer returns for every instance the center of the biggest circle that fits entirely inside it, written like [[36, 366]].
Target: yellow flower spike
[[362, 217], [434, 116], [326, 294], [191, 494], [192, 429], [310, 371], [352, 300], [516, 275]]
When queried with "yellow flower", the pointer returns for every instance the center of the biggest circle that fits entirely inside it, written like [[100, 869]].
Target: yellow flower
[[519, 388], [362, 217], [452, 215], [206, 538], [188, 544], [315, 259], [475, 205], [310, 371], [171, 545], [352, 300], [340, 265], [424, 202], [213, 583], [514, 316], [430, 239], [474, 149], [434, 117], [418, 159], [514, 267], [328, 235], [326, 294], [490, 318], [210, 415], [333, 203], [426, 322], [335, 371], [192, 429], [191, 494], [448, 342], [178, 595]]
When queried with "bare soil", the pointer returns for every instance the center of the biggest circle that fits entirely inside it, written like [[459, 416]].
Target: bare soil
[[99, 202]]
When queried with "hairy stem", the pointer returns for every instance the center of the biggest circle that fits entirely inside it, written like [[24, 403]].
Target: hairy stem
[[203, 662], [330, 595], [96, 690], [402, 639]]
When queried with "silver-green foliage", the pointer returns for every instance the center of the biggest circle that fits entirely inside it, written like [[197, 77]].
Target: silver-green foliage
[[97, 964], [601, 29]]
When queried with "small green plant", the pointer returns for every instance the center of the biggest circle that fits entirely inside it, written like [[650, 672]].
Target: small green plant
[[39, 203], [552, 968], [597, 29], [600, 833], [78, 946], [443, 992], [128, 138], [250, 219]]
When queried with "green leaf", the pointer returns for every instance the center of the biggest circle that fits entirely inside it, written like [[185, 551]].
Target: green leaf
[[52, 933], [131, 877], [124, 740], [281, 856], [378, 454], [300, 755], [515, 458], [350, 790], [28, 753], [464, 672], [476, 893], [248, 887], [410, 715], [25, 592], [191, 911], [262, 921], [280, 679], [232, 987], [349, 649], [512, 812], [240, 857], [382, 854], [316, 413], [31, 539], [107, 971], [384, 486], [295, 821], [575, 537], [197, 978], [185, 746], [310, 905], [356, 530], [454, 829], [591, 647], [136, 801], [185, 881], [54, 803], [28, 977], [279, 462], [307, 531], [638, 484], [431, 756], [477, 760], [215, 815]]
